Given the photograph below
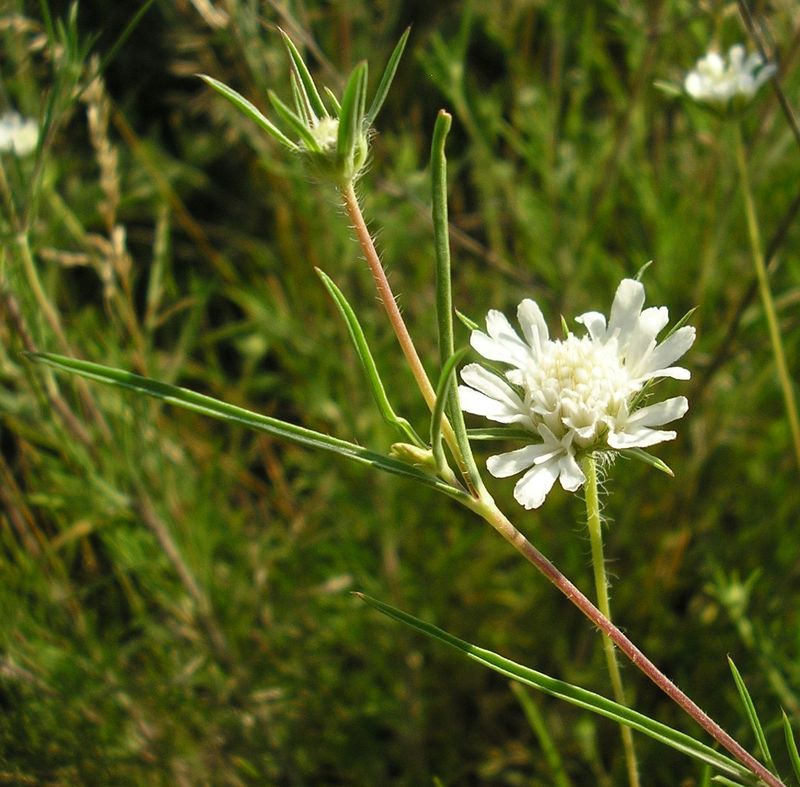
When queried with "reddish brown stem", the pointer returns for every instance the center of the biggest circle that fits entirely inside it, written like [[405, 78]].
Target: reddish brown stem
[[489, 511]]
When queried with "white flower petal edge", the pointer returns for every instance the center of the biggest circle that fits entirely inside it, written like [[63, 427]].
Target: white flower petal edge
[[575, 395]]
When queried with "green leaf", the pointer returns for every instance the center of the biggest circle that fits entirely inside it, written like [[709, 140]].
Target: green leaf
[[501, 433], [350, 121], [296, 123], [304, 75], [386, 79], [448, 395], [301, 101], [199, 403], [649, 459], [467, 322], [443, 390], [332, 97], [572, 694], [752, 716], [791, 745], [248, 109], [368, 362]]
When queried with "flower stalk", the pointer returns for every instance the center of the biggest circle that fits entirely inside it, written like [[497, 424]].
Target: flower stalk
[[595, 527], [767, 301]]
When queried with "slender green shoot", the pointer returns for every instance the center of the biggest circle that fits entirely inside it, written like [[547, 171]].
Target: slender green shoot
[[595, 527]]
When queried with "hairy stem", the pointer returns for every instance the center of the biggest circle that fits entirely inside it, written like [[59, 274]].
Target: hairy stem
[[488, 510], [766, 296], [594, 525], [396, 319]]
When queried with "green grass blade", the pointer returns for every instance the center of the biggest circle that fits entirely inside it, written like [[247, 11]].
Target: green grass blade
[[574, 695], [350, 119], [207, 405], [304, 74], [295, 122], [368, 362], [538, 724], [386, 79], [250, 110], [791, 746], [752, 716]]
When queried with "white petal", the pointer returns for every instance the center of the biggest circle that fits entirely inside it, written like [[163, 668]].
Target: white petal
[[595, 323], [491, 397], [533, 487], [502, 342], [571, 476], [658, 414], [534, 328], [671, 348], [514, 462], [639, 438], [626, 309], [635, 432]]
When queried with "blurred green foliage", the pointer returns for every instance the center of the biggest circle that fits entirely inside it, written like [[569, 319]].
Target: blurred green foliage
[[174, 604]]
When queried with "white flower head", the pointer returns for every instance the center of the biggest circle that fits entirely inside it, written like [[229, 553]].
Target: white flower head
[[575, 395], [720, 81], [17, 134]]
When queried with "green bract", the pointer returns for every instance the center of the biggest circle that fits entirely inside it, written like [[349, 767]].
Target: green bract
[[334, 138]]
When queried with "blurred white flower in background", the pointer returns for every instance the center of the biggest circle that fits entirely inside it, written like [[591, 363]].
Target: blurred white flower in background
[[18, 135], [720, 80], [575, 395]]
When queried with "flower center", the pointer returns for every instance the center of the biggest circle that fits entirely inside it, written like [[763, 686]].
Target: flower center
[[577, 385], [326, 131]]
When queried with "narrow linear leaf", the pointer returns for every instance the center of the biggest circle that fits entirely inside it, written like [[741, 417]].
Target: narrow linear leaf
[[386, 79], [444, 296], [443, 390], [495, 433], [248, 109], [574, 695], [791, 745], [301, 101], [293, 120], [368, 362], [333, 98], [752, 716], [207, 405], [643, 456], [466, 321], [301, 69], [726, 781], [349, 118]]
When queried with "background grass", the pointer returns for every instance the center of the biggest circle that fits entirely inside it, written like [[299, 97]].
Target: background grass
[[174, 604]]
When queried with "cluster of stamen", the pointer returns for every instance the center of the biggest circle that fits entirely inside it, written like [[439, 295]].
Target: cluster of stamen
[[577, 384]]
